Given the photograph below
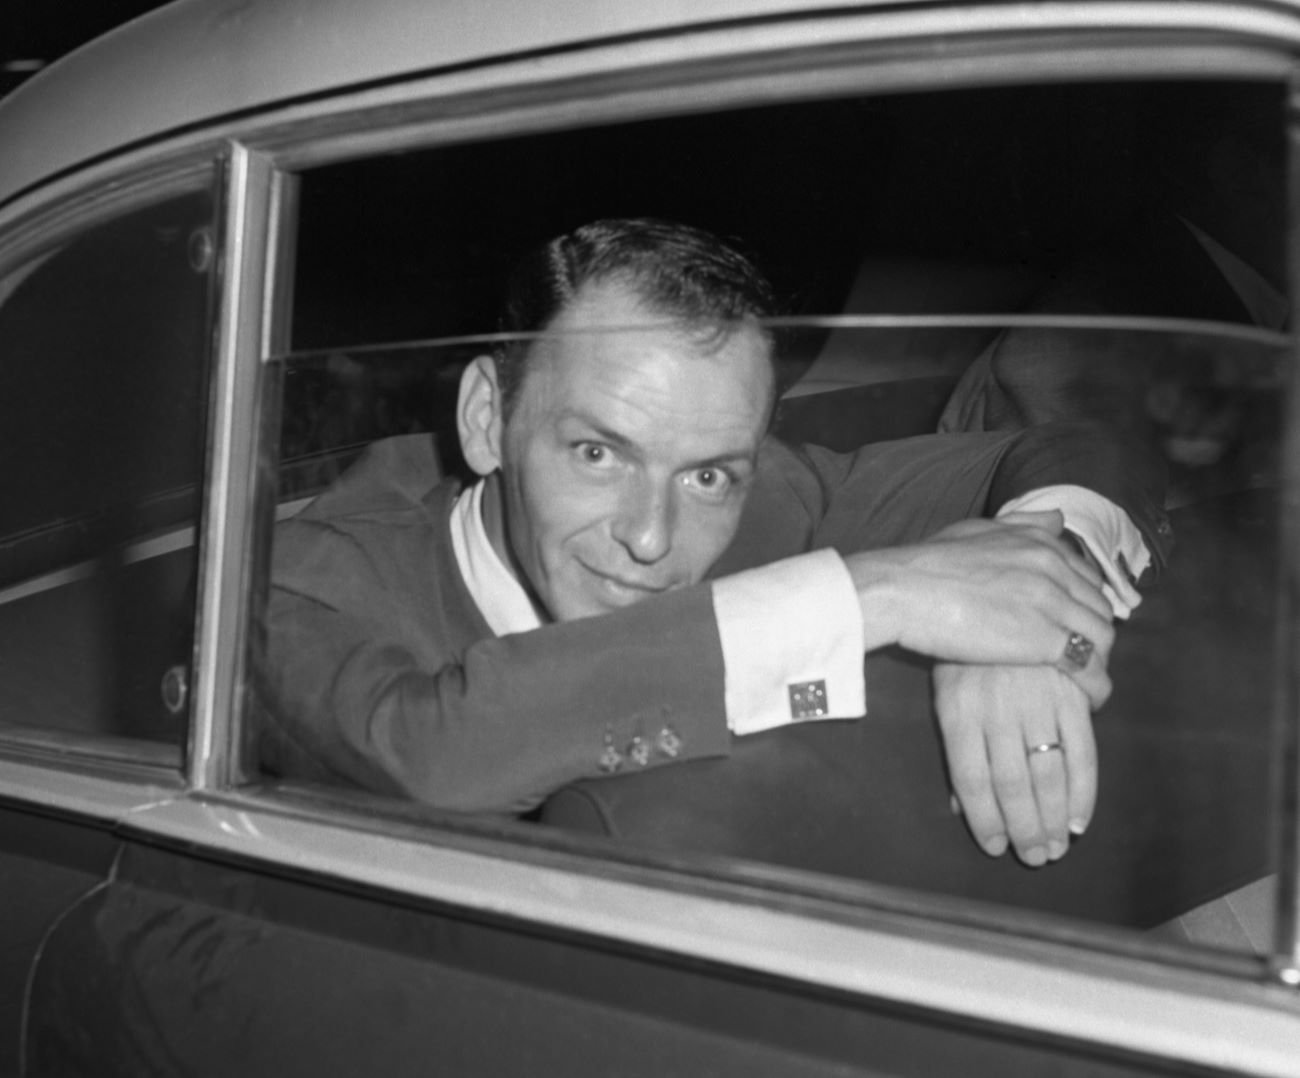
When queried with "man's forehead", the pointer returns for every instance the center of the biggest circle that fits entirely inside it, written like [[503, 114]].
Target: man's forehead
[[612, 313], [652, 385]]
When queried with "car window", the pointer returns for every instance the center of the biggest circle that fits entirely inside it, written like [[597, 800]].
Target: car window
[[975, 261], [103, 358]]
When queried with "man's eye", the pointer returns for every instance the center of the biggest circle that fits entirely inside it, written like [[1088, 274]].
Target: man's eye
[[593, 453], [713, 481]]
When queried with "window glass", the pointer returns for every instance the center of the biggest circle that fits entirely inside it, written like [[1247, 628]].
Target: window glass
[[990, 264], [103, 358]]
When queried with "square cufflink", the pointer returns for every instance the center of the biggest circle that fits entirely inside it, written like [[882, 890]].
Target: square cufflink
[[808, 700]]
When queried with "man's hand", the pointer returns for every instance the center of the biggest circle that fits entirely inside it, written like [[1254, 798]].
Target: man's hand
[[991, 717], [1008, 591]]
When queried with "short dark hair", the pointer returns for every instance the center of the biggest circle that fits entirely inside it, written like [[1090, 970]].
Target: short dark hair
[[686, 273]]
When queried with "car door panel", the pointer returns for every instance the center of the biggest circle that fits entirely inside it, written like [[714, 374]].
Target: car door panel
[[48, 863], [190, 963]]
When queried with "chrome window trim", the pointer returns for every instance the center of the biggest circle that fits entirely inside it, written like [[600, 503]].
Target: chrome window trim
[[444, 111], [128, 759], [92, 789], [490, 104], [688, 874], [1287, 714], [226, 528], [1049, 990]]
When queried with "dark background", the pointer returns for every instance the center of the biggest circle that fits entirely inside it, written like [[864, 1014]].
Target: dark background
[[1027, 179], [34, 33]]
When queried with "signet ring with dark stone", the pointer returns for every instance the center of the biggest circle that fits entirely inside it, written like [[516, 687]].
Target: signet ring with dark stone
[[1078, 650]]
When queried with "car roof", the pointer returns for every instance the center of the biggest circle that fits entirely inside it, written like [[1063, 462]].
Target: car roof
[[193, 61]]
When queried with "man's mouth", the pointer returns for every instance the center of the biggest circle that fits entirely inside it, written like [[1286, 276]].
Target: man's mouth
[[624, 590]]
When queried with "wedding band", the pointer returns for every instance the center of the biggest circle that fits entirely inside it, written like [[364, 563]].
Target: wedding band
[[1046, 746], [1078, 650]]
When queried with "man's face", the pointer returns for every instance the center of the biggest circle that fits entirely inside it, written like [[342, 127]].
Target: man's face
[[629, 453]]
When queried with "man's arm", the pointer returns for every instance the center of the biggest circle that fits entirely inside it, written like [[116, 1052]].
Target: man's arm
[[991, 718], [379, 671], [1019, 739], [900, 492], [974, 717], [965, 594]]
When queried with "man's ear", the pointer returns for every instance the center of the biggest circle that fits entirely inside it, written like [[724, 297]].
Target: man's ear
[[478, 415]]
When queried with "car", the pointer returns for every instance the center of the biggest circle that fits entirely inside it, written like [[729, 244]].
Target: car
[[240, 243]]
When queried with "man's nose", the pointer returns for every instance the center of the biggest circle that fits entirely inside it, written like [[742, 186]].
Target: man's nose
[[645, 521]]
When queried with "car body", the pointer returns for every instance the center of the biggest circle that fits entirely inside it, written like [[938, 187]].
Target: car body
[[190, 278]]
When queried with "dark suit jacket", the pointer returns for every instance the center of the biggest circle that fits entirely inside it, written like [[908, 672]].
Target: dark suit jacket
[[380, 670]]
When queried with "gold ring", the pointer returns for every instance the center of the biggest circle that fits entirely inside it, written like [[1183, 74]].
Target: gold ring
[[1046, 746]]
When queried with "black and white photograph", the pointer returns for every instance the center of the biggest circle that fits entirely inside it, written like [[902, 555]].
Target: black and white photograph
[[593, 537]]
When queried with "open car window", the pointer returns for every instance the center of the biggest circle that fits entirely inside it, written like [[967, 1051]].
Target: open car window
[[937, 254]]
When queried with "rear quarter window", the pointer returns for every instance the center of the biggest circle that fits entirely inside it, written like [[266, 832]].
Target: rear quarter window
[[103, 361]]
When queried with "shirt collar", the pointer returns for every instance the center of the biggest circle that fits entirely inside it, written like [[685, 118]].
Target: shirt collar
[[499, 596]]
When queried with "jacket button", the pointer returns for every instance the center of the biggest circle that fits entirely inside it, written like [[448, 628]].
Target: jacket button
[[638, 751], [669, 743]]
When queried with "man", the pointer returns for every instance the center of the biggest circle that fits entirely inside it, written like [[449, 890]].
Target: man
[[641, 573]]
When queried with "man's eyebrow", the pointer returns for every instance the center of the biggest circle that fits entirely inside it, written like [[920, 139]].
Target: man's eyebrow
[[606, 434], [594, 429], [735, 456]]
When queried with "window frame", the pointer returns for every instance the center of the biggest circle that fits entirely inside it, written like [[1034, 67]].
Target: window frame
[[55, 221], [452, 115]]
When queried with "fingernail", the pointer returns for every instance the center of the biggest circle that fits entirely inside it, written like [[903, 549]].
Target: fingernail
[[1078, 827], [1035, 856], [1056, 849], [954, 805], [996, 846]]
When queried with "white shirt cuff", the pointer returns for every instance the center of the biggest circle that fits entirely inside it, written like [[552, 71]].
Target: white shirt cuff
[[1112, 539], [792, 643]]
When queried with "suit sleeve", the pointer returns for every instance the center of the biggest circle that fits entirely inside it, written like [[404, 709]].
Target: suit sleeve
[[364, 681], [892, 493]]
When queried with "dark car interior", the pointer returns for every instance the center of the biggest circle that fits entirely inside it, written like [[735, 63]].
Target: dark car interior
[[1006, 200]]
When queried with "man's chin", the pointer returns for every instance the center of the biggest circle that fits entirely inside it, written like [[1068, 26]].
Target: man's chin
[[593, 608]]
